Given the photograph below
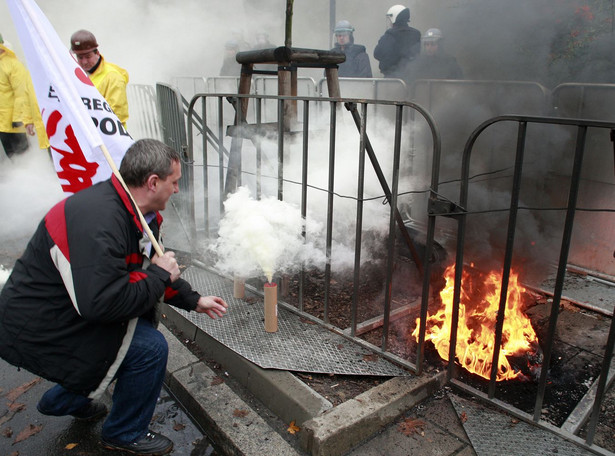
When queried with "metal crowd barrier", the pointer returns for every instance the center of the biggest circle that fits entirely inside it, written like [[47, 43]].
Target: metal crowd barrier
[[276, 162], [173, 130], [283, 169], [143, 117], [595, 102], [466, 208], [457, 107], [368, 88]]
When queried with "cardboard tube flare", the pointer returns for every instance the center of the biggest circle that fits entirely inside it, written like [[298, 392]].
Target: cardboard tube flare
[[271, 307], [239, 288]]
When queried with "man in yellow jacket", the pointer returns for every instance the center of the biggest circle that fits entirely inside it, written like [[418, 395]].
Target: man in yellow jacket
[[108, 78], [19, 112]]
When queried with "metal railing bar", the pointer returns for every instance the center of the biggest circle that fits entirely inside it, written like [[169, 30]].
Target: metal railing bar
[[561, 270], [359, 222], [510, 240], [393, 213], [330, 186], [304, 187]]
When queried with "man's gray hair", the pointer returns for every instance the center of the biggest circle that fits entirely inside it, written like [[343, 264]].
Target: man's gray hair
[[146, 157]]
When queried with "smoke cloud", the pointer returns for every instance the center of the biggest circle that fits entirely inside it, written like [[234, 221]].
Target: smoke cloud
[[264, 237], [535, 40], [527, 40], [29, 187]]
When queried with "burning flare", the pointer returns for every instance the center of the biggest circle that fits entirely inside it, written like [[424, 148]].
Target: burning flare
[[478, 308]]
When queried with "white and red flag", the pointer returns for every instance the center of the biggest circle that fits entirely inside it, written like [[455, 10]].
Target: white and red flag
[[79, 122]]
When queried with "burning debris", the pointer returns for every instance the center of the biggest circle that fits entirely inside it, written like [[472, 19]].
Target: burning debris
[[478, 309]]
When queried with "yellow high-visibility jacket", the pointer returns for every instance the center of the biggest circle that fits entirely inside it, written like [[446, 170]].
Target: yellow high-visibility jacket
[[17, 98], [14, 98], [111, 81]]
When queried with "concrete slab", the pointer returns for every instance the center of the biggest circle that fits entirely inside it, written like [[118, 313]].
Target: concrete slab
[[340, 429], [583, 329], [230, 423]]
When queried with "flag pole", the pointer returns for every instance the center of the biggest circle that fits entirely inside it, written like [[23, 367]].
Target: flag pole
[[146, 228], [52, 63]]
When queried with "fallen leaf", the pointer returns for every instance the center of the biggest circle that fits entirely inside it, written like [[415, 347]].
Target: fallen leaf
[[70, 446], [9, 416], [240, 413], [463, 417], [179, 427], [27, 433], [8, 432], [411, 426], [514, 421], [293, 428], [14, 453], [216, 381], [16, 392], [16, 406], [371, 358]]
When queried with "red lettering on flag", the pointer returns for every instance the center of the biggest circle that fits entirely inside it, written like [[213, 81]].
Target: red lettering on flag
[[83, 77], [75, 168]]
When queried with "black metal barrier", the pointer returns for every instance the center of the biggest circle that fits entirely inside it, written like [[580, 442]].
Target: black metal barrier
[[404, 152], [461, 213], [276, 162]]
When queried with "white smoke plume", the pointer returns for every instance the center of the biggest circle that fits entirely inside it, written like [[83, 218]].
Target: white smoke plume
[[264, 237], [29, 187]]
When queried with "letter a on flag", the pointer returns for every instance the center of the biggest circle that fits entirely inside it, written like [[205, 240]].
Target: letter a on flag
[[81, 155]]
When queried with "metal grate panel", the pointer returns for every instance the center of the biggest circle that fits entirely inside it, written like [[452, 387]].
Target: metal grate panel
[[298, 345], [494, 432]]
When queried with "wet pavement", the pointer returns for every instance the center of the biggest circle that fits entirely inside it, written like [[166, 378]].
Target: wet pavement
[[26, 432]]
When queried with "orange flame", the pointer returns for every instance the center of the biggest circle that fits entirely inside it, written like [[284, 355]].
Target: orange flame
[[478, 308]]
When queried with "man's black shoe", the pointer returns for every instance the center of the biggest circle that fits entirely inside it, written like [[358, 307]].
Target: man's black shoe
[[152, 444], [91, 412]]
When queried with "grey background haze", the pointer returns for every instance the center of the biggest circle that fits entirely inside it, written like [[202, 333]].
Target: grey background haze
[[156, 40]]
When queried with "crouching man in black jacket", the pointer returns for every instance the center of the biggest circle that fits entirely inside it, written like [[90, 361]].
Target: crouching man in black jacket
[[79, 306]]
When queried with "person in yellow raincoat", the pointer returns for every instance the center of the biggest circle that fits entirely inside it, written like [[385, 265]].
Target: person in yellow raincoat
[[108, 78], [19, 111]]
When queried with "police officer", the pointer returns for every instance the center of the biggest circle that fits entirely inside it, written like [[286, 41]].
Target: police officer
[[399, 45], [357, 61], [434, 63]]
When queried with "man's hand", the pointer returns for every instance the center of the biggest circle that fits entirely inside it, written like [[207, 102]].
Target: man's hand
[[168, 262], [212, 306], [30, 129]]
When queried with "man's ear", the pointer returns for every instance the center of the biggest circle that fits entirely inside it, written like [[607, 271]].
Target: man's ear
[[152, 182]]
